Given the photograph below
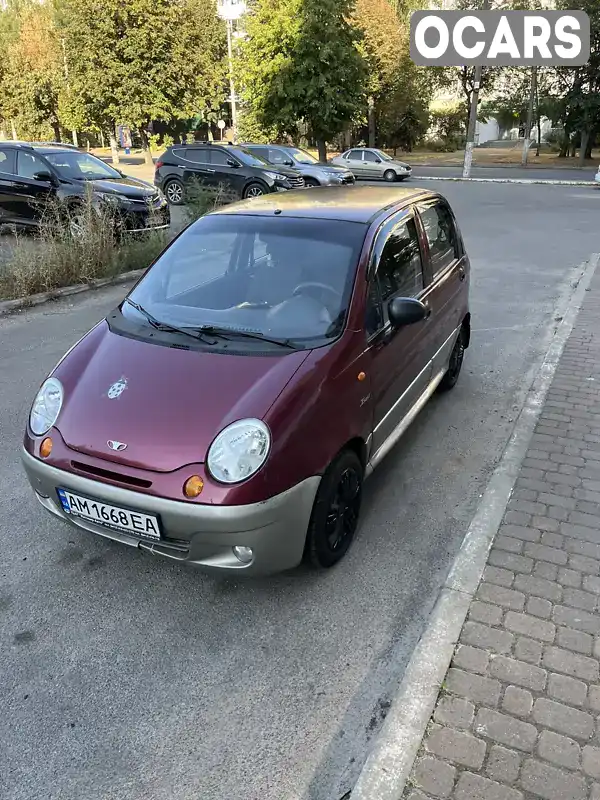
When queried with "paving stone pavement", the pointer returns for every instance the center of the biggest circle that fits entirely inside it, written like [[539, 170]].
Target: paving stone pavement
[[518, 716]]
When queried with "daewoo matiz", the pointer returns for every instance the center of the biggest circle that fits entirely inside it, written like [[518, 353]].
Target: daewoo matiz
[[227, 412]]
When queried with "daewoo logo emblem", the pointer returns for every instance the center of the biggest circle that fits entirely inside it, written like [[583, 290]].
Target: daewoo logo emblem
[[118, 446]]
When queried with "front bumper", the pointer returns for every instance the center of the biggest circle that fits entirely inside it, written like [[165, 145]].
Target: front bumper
[[199, 535], [143, 220]]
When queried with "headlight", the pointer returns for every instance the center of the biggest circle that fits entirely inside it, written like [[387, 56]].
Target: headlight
[[239, 451], [110, 198], [276, 176], [46, 406]]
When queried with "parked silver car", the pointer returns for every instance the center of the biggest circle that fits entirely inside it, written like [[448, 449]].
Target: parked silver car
[[369, 163], [313, 171]]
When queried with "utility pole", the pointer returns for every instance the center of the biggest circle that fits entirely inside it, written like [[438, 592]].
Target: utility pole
[[528, 127], [231, 81], [473, 113]]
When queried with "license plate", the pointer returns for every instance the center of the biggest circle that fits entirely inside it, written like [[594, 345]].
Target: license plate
[[115, 517]]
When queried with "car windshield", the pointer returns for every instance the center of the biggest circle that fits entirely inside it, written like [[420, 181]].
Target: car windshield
[[265, 276], [383, 156], [249, 158], [75, 165], [301, 156]]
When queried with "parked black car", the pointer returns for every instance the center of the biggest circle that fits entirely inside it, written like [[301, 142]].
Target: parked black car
[[234, 168], [31, 174]]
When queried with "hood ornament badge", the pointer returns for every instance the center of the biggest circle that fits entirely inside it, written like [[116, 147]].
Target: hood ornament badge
[[117, 446], [117, 389]]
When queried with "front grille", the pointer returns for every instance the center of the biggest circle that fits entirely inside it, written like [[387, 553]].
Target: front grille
[[297, 183], [108, 475]]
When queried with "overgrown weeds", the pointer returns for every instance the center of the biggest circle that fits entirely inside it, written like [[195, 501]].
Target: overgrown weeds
[[201, 199], [73, 248]]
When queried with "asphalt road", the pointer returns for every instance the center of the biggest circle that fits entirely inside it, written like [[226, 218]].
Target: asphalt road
[[127, 678], [527, 173]]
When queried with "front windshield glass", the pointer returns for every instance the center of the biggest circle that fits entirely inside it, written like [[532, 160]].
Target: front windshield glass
[[302, 157], [74, 165], [383, 155], [276, 277], [250, 159]]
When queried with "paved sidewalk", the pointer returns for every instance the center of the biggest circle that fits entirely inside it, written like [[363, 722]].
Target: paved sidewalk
[[518, 716]]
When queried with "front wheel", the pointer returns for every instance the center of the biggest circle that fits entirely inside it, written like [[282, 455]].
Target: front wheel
[[253, 190], [335, 513], [389, 175], [450, 379], [311, 183]]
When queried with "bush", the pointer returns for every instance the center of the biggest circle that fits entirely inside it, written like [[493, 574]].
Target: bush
[[201, 199], [74, 249], [438, 145]]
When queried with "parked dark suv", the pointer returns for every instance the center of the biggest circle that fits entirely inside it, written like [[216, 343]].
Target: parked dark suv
[[32, 174], [236, 169]]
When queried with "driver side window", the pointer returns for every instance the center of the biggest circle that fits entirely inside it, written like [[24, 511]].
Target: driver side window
[[399, 273]]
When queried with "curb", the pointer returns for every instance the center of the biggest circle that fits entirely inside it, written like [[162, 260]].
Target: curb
[[388, 766], [507, 180], [8, 306]]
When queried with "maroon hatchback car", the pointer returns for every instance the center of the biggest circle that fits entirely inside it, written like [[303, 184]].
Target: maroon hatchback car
[[228, 411]]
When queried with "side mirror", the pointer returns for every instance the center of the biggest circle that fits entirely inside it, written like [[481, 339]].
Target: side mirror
[[44, 177], [377, 160], [232, 163], [289, 163], [406, 311]]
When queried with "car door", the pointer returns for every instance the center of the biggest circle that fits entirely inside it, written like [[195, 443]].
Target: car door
[[448, 267], [400, 358], [196, 167], [230, 178], [373, 166], [9, 200], [355, 163], [32, 195]]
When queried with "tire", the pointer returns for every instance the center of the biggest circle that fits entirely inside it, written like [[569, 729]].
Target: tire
[[334, 517], [311, 183], [389, 175], [253, 190], [450, 379], [174, 192]]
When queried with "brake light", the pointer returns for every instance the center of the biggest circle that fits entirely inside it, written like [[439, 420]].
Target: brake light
[[159, 164]]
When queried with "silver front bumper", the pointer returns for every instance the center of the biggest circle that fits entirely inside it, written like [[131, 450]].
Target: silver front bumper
[[201, 535]]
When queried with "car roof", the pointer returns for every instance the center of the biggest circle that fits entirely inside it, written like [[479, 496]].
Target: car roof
[[41, 147], [352, 204]]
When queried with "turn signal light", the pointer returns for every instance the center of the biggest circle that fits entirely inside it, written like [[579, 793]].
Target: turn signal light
[[46, 447], [193, 487]]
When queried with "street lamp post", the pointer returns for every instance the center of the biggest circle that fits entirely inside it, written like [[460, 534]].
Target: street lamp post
[[232, 98]]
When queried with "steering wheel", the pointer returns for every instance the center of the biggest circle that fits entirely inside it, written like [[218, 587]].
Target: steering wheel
[[316, 285]]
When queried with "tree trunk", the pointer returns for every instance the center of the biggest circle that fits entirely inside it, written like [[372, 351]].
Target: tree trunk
[[371, 116], [13, 131], [56, 130], [102, 142], [146, 147], [590, 145], [322, 148], [114, 148], [3, 135], [573, 150], [585, 137], [75, 138]]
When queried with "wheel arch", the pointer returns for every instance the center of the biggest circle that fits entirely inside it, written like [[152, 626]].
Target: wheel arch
[[466, 327]]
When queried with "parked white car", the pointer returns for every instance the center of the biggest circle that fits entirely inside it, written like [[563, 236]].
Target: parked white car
[[597, 178]]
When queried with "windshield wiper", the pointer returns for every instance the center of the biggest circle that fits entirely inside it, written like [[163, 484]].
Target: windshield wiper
[[195, 333], [218, 331]]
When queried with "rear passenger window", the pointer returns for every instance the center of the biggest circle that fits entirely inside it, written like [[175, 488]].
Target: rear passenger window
[[8, 161], [400, 271], [441, 235], [355, 155]]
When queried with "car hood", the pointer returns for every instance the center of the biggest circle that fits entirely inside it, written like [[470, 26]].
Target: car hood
[[332, 168], [397, 163], [126, 186], [287, 171], [174, 402]]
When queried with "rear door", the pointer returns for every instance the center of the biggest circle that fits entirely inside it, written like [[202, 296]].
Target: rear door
[[448, 266], [8, 195], [32, 195], [195, 165], [400, 358]]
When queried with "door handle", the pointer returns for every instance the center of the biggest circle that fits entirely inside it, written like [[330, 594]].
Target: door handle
[[461, 274], [427, 310]]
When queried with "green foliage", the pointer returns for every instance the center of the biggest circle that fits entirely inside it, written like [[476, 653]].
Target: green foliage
[[143, 60], [301, 68]]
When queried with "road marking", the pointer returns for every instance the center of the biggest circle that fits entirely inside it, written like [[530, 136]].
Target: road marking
[[388, 766]]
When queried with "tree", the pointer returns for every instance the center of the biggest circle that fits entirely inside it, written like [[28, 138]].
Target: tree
[[141, 61], [301, 67], [32, 77]]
